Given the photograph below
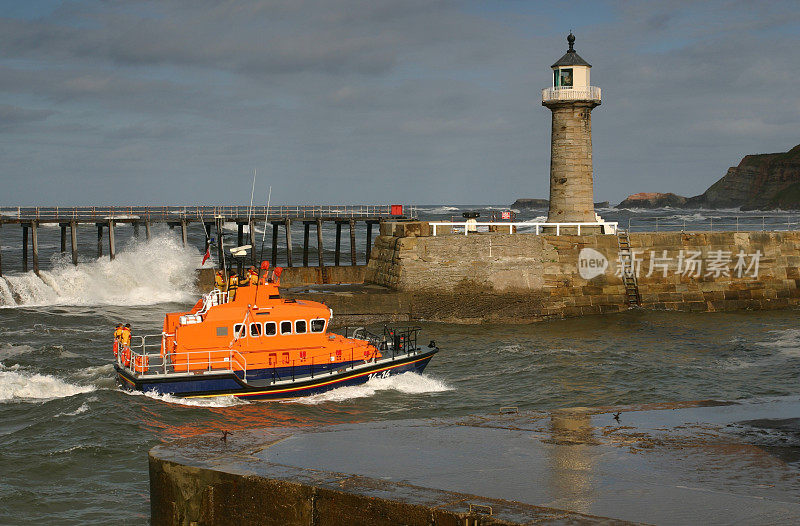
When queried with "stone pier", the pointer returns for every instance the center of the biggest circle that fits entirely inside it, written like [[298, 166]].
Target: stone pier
[[522, 278]]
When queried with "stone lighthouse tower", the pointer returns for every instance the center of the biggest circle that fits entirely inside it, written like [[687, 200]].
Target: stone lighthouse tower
[[571, 99]]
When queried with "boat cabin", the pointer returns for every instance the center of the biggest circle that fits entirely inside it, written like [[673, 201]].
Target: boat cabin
[[254, 328]]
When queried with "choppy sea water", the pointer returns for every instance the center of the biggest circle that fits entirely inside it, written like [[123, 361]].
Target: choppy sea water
[[73, 447]]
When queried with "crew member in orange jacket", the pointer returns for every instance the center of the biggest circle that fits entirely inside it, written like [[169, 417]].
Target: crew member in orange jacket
[[219, 281], [125, 338], [233, 284], [125, 342], [117, 338]]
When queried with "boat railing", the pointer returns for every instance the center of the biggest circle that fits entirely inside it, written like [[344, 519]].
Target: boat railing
[[143, 344], [398, 340], [213, 298], [146, 358], [395, 343], [202, 361]]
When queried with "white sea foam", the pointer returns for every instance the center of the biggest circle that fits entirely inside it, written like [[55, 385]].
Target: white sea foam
[[439, 209], [531, 222], [8, 350], [787, 342], [101, 376], [234, 227], [408, 383], [537, 219], [95, 371], [217, 401], [143, 273], [82, 409], [16, 385]]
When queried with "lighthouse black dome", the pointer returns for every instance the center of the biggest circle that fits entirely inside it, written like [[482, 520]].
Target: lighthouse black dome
[[571, 58]]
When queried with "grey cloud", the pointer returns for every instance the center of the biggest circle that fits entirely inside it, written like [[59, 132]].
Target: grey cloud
[[13, 116], [370, 100], [332, 37]]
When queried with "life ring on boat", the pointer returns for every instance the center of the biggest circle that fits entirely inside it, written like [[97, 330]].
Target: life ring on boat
[[141, 363], [126, 356], [116, 348]]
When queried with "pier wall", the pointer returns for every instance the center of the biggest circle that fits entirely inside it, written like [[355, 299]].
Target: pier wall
[[524, 276]]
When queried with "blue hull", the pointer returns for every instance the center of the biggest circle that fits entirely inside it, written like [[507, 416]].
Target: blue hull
[[231, 385]]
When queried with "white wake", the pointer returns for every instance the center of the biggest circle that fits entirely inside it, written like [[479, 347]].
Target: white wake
[[217, 401], [408, 383]]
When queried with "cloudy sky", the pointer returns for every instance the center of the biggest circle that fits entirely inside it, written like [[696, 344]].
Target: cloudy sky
[[378, 101]]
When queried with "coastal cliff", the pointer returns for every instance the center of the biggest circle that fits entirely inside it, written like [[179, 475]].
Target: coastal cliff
[[653, 200], [760, 182]]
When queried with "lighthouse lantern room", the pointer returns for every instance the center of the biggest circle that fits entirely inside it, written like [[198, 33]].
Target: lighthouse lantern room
[[571, 78]]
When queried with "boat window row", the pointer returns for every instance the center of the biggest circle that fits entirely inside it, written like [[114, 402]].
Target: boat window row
[[270, 328]]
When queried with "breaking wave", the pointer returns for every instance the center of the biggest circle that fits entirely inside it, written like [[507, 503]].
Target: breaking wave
[[15, 385], [8, 350], [407, 383], [143, 273], [80, 410]]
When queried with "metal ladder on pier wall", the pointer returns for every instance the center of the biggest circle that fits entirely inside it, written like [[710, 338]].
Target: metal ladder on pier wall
[[628, 272]]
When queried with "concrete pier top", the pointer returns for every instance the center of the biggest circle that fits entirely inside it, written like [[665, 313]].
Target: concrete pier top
[[692, 463]]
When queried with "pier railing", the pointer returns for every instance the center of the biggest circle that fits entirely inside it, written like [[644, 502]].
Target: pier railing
[[200, 213], [774, 223], [558, 229]]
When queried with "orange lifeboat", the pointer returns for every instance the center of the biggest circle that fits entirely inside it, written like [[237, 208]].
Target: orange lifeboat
[[262, 346]]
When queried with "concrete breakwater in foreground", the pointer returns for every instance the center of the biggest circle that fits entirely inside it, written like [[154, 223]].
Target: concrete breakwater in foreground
[[653, 464], [524, 277]]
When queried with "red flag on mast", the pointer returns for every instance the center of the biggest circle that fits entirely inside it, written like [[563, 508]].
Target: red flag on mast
[[208, 251]]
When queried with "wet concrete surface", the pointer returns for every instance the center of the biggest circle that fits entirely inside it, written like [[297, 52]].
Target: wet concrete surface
[[691, 463]]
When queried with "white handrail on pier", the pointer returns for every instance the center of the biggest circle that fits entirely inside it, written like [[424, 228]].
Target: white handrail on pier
[[606, 227]]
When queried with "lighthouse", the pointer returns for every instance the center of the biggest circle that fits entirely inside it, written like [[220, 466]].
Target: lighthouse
[[571, 100]]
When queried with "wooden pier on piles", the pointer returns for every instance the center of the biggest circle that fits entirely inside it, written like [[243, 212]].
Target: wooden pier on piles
[[210, 218]]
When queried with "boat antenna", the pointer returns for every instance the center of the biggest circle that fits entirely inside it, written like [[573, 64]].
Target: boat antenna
[[263, 237], [205, 232], [219, 221], [252, 191], [266, 215]]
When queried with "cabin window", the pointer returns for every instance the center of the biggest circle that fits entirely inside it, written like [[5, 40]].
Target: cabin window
[[222, 331], [270, 328], [255, 330], [286, 327], [318, 325], [300, 327], [239, 330]]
